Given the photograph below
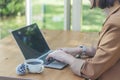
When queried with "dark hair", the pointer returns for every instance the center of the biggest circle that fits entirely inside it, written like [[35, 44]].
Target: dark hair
[[105, 3]]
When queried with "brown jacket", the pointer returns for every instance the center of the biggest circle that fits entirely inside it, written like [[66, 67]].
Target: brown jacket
[[105, 65]]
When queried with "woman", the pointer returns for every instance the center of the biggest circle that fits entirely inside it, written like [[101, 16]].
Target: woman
[[105, 61]]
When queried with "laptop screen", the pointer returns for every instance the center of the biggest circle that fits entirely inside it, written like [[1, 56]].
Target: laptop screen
[[31, 41]]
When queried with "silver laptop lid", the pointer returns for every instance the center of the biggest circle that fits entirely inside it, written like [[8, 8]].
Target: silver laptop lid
[[31, 41]]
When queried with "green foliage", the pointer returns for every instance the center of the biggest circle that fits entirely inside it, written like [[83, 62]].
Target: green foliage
[[11, 7], [53, 17], [92, 19]]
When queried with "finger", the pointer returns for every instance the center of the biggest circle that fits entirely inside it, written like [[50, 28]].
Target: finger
[[52, 55], [48, 57]]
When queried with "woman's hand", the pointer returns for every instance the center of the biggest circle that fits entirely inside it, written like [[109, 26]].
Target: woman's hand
[[61, 56], [90, 51], [72, 51]]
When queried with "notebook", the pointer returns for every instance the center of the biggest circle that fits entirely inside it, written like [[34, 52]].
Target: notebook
[[33, 45]]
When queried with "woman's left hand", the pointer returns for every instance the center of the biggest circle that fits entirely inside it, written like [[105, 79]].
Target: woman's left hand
[[61, 56]]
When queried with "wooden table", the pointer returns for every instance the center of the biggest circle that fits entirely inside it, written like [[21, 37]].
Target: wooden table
[[10, 54]]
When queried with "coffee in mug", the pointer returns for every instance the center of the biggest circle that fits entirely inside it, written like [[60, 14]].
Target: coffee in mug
[[34, 65]]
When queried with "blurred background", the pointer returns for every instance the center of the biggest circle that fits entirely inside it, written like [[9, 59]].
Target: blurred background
[[47, 14]]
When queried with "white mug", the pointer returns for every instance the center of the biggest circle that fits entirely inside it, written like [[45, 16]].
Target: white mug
[[34, 65]]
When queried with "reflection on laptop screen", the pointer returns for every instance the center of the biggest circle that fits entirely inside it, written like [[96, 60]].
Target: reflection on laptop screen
[[31, 41]]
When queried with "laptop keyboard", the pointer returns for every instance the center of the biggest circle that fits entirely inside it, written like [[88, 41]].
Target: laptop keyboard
[[46, 62]]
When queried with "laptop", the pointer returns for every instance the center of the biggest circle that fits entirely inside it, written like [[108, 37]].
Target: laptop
[[33, 45]]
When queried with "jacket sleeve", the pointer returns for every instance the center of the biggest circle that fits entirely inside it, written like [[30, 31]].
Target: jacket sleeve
[[76, 66], [107, 54]]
